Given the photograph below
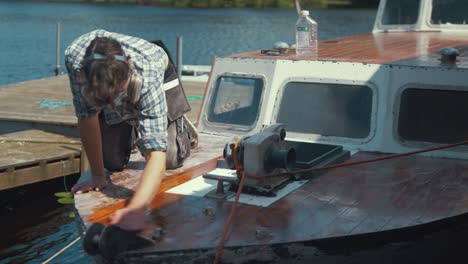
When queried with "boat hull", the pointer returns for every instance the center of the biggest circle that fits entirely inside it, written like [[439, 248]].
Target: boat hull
[[438, 242]]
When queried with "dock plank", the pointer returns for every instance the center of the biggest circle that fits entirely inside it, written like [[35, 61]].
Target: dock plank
[[26, 159], [41, 172], [21, 101], [23, 153]]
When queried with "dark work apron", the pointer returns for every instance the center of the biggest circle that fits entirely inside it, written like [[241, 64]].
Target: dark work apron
[[117, 140]]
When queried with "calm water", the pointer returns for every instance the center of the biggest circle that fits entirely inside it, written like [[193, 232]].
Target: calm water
[[27, 45], [35, 225]]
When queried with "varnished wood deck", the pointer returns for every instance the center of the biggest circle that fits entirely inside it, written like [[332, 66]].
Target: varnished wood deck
[[99, 206], [405, 48], [363, 199]]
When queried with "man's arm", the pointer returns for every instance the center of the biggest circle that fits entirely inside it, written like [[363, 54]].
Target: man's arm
[[152, 139], [150, 179], [133, 216], [88, 121], [90, 134]]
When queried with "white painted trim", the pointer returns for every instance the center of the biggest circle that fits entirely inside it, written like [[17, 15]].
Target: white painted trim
[[233, 126]]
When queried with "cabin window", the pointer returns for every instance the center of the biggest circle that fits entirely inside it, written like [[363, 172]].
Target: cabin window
[[437, 116], [449, 12], [236, 100], [401, 12], [326, 109]]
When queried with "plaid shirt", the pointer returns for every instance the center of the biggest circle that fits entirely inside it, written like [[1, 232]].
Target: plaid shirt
[[149, 114]]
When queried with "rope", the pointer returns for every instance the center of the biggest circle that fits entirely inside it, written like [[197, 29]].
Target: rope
[[65, 182], [38, 140], [237, 165], [61, 251], [240, 171]]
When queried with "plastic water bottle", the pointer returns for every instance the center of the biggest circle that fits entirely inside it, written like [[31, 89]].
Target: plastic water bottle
[[306, 35]]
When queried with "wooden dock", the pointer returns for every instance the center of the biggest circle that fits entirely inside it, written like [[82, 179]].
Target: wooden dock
[[38, 130]]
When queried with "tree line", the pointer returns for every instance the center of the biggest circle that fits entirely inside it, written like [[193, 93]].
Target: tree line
[[254, 3]]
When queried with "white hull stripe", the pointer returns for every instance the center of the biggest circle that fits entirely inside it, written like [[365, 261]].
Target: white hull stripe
[[171, 84]]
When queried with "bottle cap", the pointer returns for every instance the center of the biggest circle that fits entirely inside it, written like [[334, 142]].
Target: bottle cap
[[304, 12]]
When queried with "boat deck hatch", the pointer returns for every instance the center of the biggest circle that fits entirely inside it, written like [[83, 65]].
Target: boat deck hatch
[[314, 154]]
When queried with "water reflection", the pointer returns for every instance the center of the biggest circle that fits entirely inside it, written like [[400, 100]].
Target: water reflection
[[35, 226]]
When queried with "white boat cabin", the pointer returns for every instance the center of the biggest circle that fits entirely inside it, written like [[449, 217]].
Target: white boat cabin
[[387, 91]]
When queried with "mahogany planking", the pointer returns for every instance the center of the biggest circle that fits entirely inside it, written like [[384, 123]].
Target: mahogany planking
[[396, 48], [355, 200]]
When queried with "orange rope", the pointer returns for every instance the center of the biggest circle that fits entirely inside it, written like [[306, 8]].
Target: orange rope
[[240, 171], [237, 165]]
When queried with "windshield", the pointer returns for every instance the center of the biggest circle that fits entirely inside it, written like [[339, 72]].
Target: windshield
[[437, 116], [401, 12], [236, 100], [449, 12], [338, 110]]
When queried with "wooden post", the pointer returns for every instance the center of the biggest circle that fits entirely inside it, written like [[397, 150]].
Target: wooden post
[[57, 51], [179, 56]]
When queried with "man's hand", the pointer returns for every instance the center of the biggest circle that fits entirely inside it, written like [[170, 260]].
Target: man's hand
[[130, 219], [93, 184], [90, 133], [133, 217]]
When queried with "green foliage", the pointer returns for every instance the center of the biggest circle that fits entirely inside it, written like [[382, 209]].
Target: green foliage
[[325, 3], [66, 201], [63, 194], [237, 3], [64, 198]]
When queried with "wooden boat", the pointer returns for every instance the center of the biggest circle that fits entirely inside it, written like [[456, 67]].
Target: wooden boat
[[386, 104]]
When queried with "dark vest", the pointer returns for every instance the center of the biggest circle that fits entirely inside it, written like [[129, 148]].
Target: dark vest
[[177, 103]]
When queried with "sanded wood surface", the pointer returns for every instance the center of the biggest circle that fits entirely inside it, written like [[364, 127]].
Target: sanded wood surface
[[404, 48], [27, 159], [99, 206], [362, 199], [21, 101]]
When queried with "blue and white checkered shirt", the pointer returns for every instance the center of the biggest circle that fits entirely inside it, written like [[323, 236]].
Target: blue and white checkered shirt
[[150, 112]]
